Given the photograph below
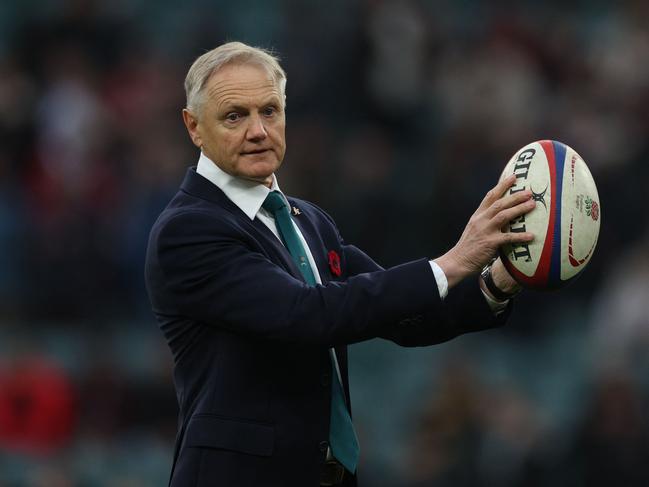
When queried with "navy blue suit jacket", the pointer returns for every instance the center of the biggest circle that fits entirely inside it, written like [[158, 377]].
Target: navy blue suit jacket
[[249, 338]]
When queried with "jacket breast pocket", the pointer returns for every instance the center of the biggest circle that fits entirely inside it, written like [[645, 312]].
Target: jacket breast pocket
[[211, 431]]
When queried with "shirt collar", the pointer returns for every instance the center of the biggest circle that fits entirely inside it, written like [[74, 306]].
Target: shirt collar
[[247, 195]]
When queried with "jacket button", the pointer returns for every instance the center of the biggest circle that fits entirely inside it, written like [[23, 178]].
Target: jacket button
[[323, 446], [325, 380]]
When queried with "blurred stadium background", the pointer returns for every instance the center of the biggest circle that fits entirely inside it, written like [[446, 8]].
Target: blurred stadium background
[[401, 114]]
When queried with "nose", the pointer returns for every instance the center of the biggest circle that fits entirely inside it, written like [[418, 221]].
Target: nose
[[256, 129]]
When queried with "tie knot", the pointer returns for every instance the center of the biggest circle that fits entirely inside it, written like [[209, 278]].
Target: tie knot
[[274, 202]]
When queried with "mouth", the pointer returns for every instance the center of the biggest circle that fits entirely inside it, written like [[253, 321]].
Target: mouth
[[253, 152]]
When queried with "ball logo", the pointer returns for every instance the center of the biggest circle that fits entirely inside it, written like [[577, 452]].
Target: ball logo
[[522, 170], [592, 208], [540, 197]]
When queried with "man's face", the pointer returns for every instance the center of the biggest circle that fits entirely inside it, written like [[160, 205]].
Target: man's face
[[241, 124]]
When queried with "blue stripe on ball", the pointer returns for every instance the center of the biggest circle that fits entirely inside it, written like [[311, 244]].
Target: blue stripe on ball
[[555, 263]]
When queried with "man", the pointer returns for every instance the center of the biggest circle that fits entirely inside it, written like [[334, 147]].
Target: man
[[258, 295]]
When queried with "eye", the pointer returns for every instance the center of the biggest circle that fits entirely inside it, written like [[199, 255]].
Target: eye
[[233, 117], [269, 111]]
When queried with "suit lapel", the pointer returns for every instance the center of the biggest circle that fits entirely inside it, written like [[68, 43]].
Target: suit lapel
[[313, 240], [198, 186], [273, 245]]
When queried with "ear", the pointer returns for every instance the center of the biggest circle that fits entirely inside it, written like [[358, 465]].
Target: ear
[[191, 122]]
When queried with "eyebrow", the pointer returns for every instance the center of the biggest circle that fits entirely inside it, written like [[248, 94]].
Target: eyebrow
[[233, 108], [227, 107]]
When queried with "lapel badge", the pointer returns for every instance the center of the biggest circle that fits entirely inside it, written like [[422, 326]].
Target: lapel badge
[[296, 211], [334, 263]]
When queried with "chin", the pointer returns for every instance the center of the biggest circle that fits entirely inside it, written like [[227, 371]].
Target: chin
[[260, 171]]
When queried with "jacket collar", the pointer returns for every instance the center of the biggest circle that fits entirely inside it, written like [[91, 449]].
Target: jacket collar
[[198, 186], [247, 195]]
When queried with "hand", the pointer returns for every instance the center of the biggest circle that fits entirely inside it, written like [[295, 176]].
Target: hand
[[483, 234]]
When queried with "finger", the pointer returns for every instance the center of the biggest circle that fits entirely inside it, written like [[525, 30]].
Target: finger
[[508, 201], [515, 238], [497, 191], [505, 216]]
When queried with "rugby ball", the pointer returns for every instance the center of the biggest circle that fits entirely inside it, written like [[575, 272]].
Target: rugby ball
[[565, 221]]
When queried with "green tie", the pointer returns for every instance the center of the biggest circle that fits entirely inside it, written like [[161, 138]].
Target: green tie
[[342, 437]]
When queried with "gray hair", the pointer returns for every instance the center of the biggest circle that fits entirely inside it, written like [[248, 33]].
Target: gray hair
[[232, 52]]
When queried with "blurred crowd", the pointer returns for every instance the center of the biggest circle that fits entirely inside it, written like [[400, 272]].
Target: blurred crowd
[[401, 115]]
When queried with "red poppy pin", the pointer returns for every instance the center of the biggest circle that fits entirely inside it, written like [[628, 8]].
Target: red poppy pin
[[334, 263]]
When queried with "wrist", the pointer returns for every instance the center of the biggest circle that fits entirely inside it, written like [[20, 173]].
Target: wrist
[[497, 283], [452, 268], [503, 279]]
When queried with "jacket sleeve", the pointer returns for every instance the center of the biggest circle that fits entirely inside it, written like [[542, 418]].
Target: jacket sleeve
[[199, 268], [463, 310]]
